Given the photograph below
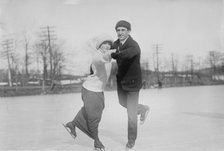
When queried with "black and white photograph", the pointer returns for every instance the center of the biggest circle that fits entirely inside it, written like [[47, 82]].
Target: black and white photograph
[[111, 75]]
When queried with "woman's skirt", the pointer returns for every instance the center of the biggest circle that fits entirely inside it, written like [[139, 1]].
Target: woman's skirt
[[89, 116]]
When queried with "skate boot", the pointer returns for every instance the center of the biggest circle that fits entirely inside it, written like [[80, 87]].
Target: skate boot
[[130, 145], [144, 115], [71, 128], [98, 145]]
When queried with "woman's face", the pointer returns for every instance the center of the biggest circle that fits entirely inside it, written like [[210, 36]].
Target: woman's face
[[105, 47]]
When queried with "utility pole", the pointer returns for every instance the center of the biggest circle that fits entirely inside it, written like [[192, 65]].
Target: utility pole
[[48, 34], [156, 52], [7, 53]]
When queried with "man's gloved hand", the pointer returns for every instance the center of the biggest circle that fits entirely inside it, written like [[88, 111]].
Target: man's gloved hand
[[114, 55]]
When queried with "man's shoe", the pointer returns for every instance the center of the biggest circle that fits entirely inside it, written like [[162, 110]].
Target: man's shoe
[[72, 129], [144, 115], [130, 145]]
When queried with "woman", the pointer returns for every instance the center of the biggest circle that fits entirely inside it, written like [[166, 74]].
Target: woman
[[89, 116]]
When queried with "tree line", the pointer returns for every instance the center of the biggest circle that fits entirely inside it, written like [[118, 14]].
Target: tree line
[[44, 59]]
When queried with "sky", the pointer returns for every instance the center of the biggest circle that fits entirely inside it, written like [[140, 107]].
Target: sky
[[182, 27]]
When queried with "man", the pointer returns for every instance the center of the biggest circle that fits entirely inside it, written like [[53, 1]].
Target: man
[[129, 80]]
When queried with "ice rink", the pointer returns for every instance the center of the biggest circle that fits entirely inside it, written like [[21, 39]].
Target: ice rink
[[181, 119]]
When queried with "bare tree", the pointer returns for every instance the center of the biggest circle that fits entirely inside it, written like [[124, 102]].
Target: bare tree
[[27, 56], [58, 60], [174, 67], [49, 36], [41, 50], [215, 58]]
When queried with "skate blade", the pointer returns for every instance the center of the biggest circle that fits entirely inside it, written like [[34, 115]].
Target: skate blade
[[99, 149], [129, 149]]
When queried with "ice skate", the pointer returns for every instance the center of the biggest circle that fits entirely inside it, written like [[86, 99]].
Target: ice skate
[[144, 115], [98, 146], [129, 145], [70, 129]]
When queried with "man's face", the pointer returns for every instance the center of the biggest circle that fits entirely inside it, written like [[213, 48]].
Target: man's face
[[122, 33]]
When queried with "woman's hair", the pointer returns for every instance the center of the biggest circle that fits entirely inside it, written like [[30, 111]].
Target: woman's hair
[[106, 42], [91, 70]]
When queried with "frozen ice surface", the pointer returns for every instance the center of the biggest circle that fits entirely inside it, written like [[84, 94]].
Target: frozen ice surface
[[181, 119]]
